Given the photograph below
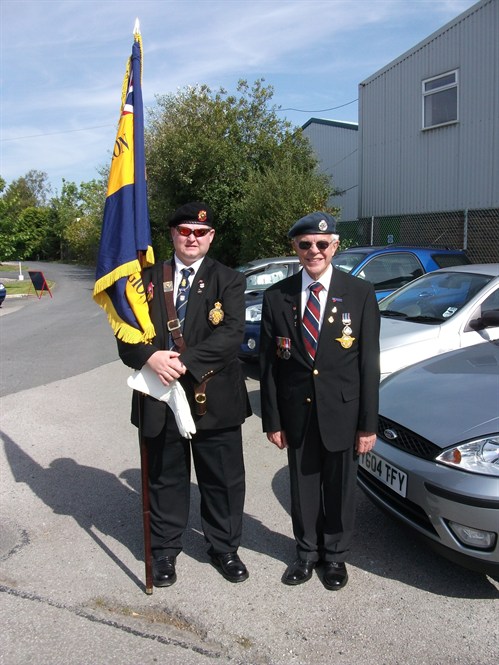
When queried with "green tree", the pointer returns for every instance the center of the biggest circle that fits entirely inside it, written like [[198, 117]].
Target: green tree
[[82, 230], [66, 207], [29, 191], [29, 235], [273, 199], [216, 147], [67, 228], [24, 218]]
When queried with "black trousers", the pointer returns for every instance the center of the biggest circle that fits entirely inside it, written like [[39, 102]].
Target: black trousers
[[219, 465], [323, 487]]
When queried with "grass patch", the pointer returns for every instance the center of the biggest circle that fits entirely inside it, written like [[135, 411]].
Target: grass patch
[[24, 287], [10, 267]]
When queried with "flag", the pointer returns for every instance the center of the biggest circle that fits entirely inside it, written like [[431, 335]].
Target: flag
[[125, 244]]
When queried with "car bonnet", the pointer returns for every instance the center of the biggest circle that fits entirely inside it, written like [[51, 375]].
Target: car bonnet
[[394, 332], [447, 399]]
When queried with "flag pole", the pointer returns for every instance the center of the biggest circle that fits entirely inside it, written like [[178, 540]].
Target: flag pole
[[144, 459], [146, 507], [126, 248]]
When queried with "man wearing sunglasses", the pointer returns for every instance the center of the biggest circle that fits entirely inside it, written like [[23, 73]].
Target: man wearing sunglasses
[[319, 357], [209, 314]]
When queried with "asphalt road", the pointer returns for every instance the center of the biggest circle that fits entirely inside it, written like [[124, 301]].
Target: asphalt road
[[71, 571]]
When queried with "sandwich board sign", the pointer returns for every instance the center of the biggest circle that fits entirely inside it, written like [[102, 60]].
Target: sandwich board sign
[[39, 283]]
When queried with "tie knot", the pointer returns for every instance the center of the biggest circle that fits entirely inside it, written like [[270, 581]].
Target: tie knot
[[316, 287], [186, 272]]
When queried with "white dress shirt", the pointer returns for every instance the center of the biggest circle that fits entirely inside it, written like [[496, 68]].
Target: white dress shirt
[[325, 280]]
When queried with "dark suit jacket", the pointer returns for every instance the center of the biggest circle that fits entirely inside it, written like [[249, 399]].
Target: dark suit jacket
[[343, 383], [212, 350]]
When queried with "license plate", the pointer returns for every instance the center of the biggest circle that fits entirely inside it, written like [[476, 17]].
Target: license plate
[[388, 474]]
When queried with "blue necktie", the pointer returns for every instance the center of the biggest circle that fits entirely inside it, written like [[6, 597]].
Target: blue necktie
[[182, 296], [311, 319]]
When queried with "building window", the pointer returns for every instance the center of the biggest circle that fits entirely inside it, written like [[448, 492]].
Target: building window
[[440, 100]]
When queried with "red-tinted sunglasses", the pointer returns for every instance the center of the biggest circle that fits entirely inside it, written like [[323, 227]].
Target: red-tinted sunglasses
[[185, 232]]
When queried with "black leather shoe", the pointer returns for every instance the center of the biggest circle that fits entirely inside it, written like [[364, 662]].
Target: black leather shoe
[[231, 566], [335, 575], [298, 572], [163, 571]]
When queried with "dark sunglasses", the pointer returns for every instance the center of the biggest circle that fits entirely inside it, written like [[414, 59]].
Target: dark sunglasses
[[197, 233], [320, 244]]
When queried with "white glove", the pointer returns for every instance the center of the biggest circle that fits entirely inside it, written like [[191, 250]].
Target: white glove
[[147, 381]]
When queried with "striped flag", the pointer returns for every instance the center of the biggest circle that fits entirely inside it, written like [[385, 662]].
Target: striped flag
[[125, 244]]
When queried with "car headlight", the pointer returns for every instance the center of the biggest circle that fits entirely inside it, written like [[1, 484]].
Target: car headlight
[[480, 456], [254, 313]]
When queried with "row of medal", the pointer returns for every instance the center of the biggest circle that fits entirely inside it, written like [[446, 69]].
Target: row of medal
[[346, 340]]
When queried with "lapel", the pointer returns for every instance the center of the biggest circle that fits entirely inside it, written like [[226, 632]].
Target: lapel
[[292, 314]]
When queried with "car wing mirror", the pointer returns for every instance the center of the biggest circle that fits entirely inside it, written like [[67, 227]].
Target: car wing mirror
[[489, 319]]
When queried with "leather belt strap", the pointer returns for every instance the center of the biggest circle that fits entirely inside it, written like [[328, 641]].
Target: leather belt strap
[[173, 323], [200, 398]]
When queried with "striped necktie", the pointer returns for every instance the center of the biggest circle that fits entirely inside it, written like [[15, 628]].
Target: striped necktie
[[183, 295], [311, 319]]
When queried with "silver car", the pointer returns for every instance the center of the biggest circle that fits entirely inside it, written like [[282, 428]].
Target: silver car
[[438, 312], [435, 465]]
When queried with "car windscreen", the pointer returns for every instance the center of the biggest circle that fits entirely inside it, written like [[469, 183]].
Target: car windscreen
[[433, 298], [259, 280], [246, 268], [347, 261]]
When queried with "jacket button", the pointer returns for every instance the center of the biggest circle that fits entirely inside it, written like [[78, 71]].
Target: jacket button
[[308, 400], [315, 372]]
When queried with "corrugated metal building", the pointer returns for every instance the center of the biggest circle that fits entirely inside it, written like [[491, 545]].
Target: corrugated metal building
[[336, 146], [429, 122]]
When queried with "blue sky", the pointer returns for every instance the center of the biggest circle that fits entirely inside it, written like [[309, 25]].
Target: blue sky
[[62, 63]]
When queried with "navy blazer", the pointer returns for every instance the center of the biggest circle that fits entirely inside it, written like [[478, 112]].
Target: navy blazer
[[342, 384], [212, 350]]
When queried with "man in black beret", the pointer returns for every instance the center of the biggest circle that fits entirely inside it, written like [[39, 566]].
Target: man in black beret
[[197, 345], [319, 364]]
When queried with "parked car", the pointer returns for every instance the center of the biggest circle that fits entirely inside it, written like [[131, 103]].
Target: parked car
[[260, 274], [393, 266], [435, 464], [441, 311], [387, 267], [3, 293]]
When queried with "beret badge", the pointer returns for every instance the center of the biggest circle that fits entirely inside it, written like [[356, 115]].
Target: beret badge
[[322, 225], [202, 216]]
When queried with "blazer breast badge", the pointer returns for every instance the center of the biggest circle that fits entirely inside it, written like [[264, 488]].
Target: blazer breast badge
[[216, 314]]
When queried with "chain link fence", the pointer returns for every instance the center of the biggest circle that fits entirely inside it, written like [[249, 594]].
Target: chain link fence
[[476, 231]]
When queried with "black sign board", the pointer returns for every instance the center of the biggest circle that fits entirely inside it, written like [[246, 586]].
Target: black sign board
[[39, 283]]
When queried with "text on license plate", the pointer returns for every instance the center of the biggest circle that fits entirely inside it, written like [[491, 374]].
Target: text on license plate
[[388, 474]]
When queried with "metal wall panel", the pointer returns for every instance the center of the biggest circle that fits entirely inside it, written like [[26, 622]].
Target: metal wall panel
[[404, 169], [336, 146]]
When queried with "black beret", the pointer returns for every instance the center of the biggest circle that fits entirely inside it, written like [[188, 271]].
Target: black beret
[[315, 222], [195, 212]]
